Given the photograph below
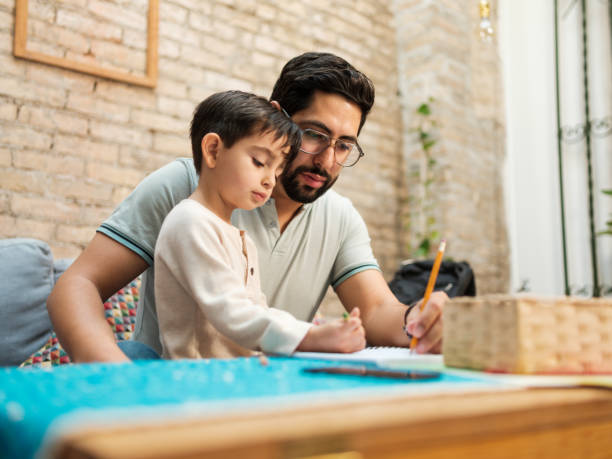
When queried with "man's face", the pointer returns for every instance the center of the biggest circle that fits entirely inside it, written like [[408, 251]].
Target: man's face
[[308, 176]]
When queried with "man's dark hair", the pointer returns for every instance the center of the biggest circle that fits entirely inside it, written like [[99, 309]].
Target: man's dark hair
[[234, 115], [309, 72]]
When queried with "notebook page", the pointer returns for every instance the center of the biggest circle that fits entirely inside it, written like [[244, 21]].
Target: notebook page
[[376, 354]]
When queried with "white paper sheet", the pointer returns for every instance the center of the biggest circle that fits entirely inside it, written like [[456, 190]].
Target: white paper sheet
[[379, 355]]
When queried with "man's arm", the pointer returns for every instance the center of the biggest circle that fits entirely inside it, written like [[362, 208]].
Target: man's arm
[[383, 315], [76, 303]]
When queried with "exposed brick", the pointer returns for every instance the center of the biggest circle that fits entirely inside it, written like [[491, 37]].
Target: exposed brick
[[202, 57], [227, 32], [65, 251], [63, 79], [46, 208], [266, 12], [25, 227], [76, 235], [135, 39], [125, 95], [172, 13], [179, 108], [4, 204], [87, 26], [60, 36], [110, 174], [200, 22], [172, 89], [12, 66], [179, 33], [146, 160], [195, 5], [120, 134], [86, 148], [53, 120], [41, 10], [263, 60], [200, 93], [6, 46], [24, 137], [5, 157], [120, 193], [159, 122], [177, 145], [32, 91], [6, 20], [22, 181], [91, 105], [221, 82], [119, 55], [180, 71], [80, 189], [95, 215], [169, 48], [119, 14], [8, 111], [49, 163], [7, 226]]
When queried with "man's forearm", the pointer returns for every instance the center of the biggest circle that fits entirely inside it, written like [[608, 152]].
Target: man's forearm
[[77, 314], [385, 325]]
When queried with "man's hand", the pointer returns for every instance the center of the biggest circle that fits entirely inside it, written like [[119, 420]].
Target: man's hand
[[340, 335], [426, 325]]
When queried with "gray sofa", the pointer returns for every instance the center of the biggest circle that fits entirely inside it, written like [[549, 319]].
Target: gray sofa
[[27, 275]]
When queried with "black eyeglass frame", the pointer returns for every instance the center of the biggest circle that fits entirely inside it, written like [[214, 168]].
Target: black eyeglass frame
[[361, 153], [329, 143]]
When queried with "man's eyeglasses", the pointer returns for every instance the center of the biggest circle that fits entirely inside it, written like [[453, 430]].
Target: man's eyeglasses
[[346, 153]]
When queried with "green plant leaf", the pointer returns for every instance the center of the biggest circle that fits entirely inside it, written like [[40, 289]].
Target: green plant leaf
[[427, 144], [607, 192], [424, 109]]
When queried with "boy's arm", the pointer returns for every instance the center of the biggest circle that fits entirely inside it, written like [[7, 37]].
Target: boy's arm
[[76, 303], [383, 315]]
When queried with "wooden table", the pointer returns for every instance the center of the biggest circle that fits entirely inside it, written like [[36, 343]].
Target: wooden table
[[527, 423]]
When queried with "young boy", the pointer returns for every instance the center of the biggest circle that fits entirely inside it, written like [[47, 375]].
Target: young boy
[[208, 295]]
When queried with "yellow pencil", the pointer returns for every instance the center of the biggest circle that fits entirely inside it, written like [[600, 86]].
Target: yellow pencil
[[430, 284]]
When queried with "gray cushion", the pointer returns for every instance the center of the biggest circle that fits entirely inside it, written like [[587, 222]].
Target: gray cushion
[[26, 279], [59, 266]]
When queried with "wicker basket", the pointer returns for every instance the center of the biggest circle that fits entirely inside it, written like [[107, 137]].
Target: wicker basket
[[528, 334]]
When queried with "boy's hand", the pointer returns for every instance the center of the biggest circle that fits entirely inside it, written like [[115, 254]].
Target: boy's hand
[[340, 335]]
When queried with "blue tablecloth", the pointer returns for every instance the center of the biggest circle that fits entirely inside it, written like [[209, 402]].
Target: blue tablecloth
[[34, 400]]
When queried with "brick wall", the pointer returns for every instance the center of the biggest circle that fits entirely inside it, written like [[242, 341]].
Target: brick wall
[[72, 146], [440, 56]]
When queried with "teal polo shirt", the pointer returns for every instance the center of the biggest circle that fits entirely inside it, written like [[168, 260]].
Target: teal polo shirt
[[324, 244]]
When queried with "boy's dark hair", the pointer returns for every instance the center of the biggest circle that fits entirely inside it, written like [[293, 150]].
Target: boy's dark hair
[[234, 115], [326, 72]]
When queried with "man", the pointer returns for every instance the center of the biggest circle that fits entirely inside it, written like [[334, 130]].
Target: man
[[308, 237]]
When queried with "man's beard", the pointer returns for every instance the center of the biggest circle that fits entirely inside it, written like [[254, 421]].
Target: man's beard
[[305, 193]]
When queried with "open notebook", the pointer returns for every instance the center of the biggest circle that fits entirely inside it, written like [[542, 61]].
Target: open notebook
[[379, 355]]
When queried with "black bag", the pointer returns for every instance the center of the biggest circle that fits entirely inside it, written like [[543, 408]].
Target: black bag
[[454, 278]]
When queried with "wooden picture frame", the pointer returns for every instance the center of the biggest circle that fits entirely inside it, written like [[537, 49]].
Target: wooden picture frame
[[149, 79]]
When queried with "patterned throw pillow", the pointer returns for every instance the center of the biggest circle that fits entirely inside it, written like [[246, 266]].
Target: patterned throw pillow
[[120, 313]]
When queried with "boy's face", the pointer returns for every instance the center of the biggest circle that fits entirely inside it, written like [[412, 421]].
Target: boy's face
[[248, 170], [309, 176]]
